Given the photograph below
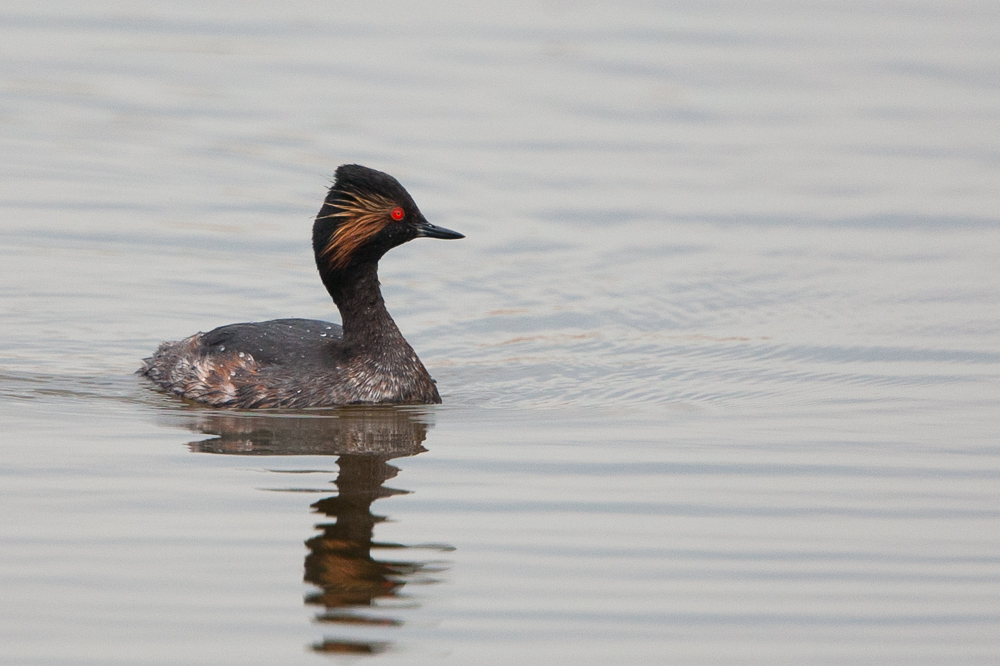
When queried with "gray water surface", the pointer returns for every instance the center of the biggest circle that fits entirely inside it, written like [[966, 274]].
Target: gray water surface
[[718, 355]]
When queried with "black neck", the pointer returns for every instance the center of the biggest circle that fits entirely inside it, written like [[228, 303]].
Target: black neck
[[356, 292]]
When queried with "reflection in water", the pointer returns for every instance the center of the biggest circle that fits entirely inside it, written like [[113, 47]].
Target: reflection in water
[[351, 583]]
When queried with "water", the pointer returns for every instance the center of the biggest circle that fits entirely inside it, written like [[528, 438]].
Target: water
[[718, 355]]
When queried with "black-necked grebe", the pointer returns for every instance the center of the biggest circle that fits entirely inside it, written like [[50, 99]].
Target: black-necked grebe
[[310, 363]]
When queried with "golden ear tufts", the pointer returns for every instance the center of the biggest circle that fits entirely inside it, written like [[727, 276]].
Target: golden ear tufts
[[362, 217]]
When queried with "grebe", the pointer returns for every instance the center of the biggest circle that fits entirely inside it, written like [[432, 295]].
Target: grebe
[[310, 363]]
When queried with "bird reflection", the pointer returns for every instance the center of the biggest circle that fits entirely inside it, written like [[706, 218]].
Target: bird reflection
[[354, 589]]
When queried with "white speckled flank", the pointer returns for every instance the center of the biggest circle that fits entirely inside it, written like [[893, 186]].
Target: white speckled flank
[[212, 379]]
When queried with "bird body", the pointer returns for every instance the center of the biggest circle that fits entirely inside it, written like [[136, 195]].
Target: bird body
[[309, 363]]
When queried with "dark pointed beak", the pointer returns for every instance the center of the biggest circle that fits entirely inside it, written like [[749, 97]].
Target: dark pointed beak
[[427, 230]]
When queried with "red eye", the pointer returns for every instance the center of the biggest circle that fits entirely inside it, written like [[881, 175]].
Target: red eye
[[397, 213]]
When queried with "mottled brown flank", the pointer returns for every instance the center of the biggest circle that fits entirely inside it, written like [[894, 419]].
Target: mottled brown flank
[[364, 216], [212, 379]]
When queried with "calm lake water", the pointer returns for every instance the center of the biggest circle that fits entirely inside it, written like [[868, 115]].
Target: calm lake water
[[719, 354]]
